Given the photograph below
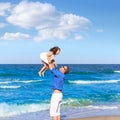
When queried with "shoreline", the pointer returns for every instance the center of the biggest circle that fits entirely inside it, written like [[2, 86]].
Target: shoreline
[[35, 116], [71, 114]]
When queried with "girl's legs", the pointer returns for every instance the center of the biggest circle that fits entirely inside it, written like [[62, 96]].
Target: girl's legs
[[43, 69]]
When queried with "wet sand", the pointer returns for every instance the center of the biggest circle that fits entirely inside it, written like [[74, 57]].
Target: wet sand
[[98, 118]]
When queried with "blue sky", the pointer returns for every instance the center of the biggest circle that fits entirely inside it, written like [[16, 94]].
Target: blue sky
[[87, 31]]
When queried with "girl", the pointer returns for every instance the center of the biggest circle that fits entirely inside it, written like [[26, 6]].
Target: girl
[[47, 57]]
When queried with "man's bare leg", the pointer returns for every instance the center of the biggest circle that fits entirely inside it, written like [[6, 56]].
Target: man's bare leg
[[56, 118]]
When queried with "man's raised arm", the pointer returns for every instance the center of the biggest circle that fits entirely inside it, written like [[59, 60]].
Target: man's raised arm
[[51, 65]]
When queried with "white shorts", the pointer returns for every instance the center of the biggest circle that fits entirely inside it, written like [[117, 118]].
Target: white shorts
[[43, 57], [55, 103]]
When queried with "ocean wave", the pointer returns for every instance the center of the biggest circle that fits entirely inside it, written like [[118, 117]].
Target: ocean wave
[[93, 82], [20, 81], [104, 107], [7, 82], [96, 72], [107, 71], [8, 74], [26, 81], [82, 72], [71, 102], [7, 110], [117, 71], [10, 87]]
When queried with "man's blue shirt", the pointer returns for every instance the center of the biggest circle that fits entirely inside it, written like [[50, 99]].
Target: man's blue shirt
[[58, 80]]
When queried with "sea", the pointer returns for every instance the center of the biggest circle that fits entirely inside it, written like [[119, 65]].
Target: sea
[[86, 87]]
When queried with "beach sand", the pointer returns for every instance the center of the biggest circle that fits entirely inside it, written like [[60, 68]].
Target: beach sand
[[37, 117], [98, 118]]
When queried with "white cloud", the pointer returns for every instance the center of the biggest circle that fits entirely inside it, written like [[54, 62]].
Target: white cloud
[[50, 34], [100, 30], [33, 14], [15, 36], [47, 20], [67, 24], [4, 7], [73, 22], [2, 25], [78, 37]]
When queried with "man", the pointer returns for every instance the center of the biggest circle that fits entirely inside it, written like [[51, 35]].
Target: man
[[57, 85]]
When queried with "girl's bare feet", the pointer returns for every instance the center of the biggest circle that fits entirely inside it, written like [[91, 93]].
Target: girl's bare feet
[[41, 74]]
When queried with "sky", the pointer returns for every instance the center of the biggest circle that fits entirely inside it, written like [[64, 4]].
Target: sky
[[87, 31]]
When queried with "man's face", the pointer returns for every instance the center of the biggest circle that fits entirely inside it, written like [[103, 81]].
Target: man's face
[[63, 69]]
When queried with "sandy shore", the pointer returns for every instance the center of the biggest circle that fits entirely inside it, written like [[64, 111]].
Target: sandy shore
[[37, 117], [98, 118], [71, 114]]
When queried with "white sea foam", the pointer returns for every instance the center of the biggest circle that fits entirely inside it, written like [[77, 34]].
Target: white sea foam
[[93, 82], [20, 81], [103, 107], [117, 71], [11, 110], [26, 81], [5, 85], [72, 102], [9, 87], [7, 82]]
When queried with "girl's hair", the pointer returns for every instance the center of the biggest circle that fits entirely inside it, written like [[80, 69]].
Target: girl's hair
[[54, 49]]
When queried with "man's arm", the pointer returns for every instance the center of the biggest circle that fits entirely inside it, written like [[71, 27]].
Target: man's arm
[[51, 65], [55, 71]]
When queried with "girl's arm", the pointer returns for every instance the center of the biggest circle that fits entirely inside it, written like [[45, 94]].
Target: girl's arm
[[49, 55]]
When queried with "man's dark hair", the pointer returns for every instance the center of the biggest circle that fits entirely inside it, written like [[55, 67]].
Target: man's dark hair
[[67, 70]]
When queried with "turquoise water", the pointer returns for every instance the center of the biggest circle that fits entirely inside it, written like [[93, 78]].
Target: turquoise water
[[22, 90]]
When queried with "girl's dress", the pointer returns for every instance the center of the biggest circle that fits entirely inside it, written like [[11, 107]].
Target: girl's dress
[[43, 57]]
